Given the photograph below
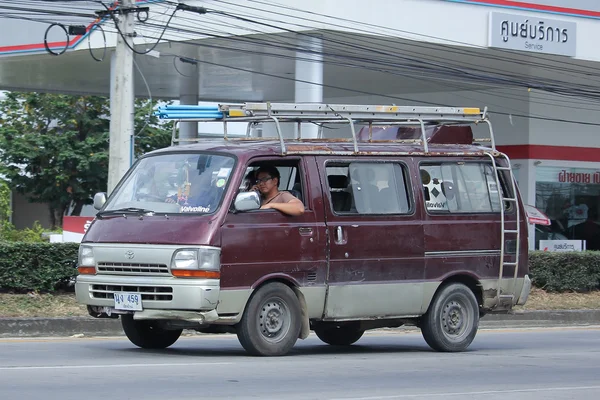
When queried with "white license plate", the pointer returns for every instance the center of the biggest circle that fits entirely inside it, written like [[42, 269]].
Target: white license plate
[[128, 301]]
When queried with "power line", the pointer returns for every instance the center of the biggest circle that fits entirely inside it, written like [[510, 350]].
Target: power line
[[296, 49], [347, 54], [378, 94]]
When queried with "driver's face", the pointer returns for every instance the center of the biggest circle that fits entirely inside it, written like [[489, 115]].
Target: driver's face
[[265, 182]]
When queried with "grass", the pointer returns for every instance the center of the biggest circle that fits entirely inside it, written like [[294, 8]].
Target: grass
[[64, 305], [542, 300], [40, 305]]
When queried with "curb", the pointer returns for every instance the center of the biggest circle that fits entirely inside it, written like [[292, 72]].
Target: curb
[[87, 326]]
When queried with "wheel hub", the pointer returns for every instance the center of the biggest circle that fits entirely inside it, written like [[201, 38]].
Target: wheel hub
[[453, 318], [273, 320]]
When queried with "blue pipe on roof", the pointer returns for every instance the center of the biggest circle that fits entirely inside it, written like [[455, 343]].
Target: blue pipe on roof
[[178, 115], [189, 107]]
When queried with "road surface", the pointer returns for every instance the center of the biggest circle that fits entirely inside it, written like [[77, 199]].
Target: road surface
[[500, 364]]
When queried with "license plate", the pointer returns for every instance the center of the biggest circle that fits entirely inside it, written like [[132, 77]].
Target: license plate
[[128, 301]]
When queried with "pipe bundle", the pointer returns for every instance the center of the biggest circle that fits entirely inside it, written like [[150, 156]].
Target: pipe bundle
[[188, 112]]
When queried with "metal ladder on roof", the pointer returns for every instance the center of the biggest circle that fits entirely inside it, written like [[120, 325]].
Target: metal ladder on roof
[[326, 113], [506, 299]]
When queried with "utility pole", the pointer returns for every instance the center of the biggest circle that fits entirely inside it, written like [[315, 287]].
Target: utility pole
[[122, 97]]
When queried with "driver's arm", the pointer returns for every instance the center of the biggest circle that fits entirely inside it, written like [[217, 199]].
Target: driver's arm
[[293, 207]]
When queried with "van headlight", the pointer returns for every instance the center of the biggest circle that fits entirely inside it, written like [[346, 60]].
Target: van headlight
[[204, 262], [86, 257]]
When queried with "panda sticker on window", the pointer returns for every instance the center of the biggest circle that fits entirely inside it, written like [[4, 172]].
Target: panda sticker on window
[[437, 191]]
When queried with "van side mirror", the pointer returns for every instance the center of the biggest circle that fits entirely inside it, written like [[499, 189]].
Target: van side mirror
[[247, 201], [99, 200]]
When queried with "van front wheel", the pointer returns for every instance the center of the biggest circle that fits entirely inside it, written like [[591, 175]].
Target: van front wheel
[[148, 334], [452, 320], [271, 322]]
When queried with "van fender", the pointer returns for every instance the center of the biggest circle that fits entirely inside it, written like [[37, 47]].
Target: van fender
[[278, 277], [305, 330], [467, 278]]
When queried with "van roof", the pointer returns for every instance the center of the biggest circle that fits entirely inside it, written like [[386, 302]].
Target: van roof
[[255, 147]]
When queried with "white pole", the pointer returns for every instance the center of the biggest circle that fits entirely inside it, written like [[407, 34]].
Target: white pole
[[122, 99], [309, 77], [189, 88]]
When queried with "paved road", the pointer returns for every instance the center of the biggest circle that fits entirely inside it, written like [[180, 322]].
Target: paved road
[[516, 364]]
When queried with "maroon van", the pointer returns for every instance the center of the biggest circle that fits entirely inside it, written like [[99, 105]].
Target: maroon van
[[427, 230]]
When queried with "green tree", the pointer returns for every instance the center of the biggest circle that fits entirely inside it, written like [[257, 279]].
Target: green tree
[[151, 133], [54, 148], [5, 210]]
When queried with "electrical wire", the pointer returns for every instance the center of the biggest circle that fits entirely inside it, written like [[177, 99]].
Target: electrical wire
[[149, 96], [97, 26], [356, 25], [343, 52], [111, 13], [46, 44], [528, 84], [380, 94], [237, 49]]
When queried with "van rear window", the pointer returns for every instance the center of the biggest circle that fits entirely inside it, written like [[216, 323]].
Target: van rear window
[[460, 187]]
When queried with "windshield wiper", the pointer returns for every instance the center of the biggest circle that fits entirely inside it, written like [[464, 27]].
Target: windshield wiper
[[125, 211]]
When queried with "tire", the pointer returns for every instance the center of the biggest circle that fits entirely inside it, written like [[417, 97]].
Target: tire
[[339, 335], [452, 320], [271, 322], [148, 334]]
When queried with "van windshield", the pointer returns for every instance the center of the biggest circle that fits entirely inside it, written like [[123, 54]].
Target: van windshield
[[174, 183]]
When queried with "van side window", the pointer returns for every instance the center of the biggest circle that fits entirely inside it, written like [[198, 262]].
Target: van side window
[[460, 187], [368, 188], [290, 180]]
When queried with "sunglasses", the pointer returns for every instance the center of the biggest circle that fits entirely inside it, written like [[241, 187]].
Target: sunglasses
[[263, 180]]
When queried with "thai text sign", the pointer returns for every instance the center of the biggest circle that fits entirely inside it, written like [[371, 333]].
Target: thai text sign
[[562, 245], [539, 35], [579, 177]]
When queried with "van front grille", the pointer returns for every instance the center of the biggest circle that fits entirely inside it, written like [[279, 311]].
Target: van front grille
[[155, 293], [132, 269]]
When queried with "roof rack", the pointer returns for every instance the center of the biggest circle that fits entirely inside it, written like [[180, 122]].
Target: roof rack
[[325, 114]]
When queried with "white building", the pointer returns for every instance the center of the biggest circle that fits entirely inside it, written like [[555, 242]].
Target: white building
[[534, 64]]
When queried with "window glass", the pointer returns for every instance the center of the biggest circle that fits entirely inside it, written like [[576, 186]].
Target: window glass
[[570, 197], [460, 187], [175, 183], [289, 179], [368, 188]]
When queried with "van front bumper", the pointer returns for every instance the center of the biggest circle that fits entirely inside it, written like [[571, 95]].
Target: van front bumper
[[159, 294]]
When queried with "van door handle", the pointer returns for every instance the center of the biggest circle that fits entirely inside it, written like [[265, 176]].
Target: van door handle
[[339, 235], [305, 231]]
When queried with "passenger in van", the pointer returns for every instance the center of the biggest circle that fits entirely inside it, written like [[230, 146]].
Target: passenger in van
[[199, 193], [250, 180], [202, 195], [267, 183]]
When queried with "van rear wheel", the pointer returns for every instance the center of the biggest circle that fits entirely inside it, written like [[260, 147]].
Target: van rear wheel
[[339, 335], [452, 320], [148, 334], [271, 322]]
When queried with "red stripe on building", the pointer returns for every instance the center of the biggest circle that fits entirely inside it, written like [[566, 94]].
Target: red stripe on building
[[76, 224], [58, 45], [542, 152], [37, 46], [538, 7]]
